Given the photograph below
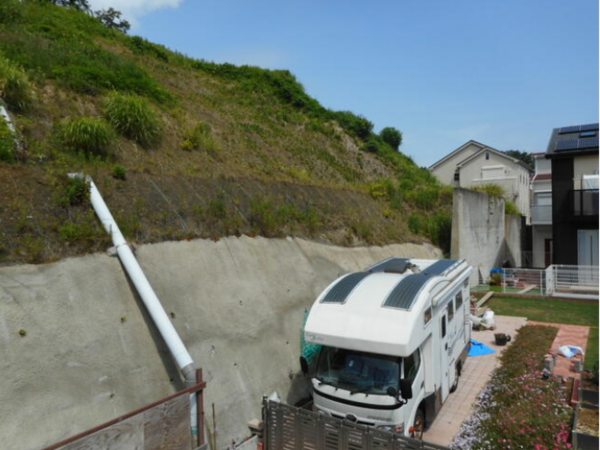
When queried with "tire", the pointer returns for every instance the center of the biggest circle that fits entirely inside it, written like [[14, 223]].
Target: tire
[[456, 377], [419, 425]]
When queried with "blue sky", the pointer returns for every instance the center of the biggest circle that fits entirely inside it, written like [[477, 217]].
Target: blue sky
[[500, 72]]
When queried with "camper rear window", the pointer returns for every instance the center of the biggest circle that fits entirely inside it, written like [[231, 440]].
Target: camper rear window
[[427, 315], [459, 301], [450, 310]]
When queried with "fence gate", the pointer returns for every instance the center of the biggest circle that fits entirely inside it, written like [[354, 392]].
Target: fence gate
[[289, 428]]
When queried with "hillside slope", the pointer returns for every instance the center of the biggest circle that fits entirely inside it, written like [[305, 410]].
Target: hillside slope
[[236, 150]]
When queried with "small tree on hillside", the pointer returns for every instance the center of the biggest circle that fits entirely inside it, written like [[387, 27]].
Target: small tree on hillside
[[111, 18], [392, 136], [82, 5]]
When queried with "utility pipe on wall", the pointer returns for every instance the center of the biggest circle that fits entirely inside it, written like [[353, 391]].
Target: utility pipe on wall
[[155, 309]]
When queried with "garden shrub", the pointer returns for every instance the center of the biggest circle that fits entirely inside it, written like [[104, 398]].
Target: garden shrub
[[133, 117], [8, 146], [15, 87], [88, 135], [519, 408]]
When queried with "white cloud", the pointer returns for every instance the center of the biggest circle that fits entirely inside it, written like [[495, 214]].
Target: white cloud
[[134, 9]]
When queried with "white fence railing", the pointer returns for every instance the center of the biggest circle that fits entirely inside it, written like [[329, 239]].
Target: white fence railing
[[573, 281], [556, 280]]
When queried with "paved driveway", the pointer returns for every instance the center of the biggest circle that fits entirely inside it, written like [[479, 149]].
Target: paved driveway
[[474, 377]]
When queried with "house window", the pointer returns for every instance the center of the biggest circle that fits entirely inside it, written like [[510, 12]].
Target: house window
[[457, 176], [487, 155]]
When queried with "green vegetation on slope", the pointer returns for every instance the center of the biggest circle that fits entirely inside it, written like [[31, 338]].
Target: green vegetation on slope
[[247, 139]]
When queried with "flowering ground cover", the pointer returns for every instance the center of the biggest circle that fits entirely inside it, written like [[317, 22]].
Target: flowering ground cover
[[518, 409]]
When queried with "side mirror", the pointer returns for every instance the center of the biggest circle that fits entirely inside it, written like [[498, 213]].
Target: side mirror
[[392, 391], [406, 389], [304, 365]]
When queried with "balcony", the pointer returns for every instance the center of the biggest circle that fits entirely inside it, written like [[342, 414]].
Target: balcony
[[585, 203], [541, 215]]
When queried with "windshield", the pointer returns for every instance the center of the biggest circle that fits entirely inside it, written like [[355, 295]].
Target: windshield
[[354, 371]]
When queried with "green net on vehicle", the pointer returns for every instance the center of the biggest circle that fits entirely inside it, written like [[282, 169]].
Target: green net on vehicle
[[309, 350]]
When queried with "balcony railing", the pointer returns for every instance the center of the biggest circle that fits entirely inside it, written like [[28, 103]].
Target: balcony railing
[[541, 215], [585, 202]]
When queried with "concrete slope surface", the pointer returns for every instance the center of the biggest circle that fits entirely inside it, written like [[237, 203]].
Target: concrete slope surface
[[89, 352]]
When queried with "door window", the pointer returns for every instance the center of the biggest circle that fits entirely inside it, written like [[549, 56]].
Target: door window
[[411, 366]]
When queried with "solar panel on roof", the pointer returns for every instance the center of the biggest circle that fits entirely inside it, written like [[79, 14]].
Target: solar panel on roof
[[588, 143], [405, 293], [565, 130], [440, 267], [339, 292], [589, 127], [566, 145], [392, 265]]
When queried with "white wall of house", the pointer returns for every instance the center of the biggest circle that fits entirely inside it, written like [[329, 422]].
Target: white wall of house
[[584, 165], [445, 170], [486, 166], [491, 168]]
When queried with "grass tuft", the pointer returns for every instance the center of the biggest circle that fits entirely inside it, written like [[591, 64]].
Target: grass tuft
[[87, 135], [8, 146], [15, 87], [200, 137], [134, 118]]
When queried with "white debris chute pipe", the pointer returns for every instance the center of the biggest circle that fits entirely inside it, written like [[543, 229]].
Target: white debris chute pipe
[[155, 309]]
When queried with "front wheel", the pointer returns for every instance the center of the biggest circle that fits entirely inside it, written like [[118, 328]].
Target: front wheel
[[456, 376], [419, 425]]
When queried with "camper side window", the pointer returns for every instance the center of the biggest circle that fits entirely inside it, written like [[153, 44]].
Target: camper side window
[[450, 310], [411, 366], [459, 301], [443, 326], [427, 315]]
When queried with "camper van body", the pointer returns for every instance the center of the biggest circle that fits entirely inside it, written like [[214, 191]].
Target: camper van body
[[398, 320]]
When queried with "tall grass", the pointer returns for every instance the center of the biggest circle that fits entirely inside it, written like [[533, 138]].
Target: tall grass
[[87, 135], [200, 137], [133, 117], [492, 190], [15, 87], [7, 142]]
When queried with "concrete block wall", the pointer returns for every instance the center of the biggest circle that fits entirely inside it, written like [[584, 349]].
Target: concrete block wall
[[481, 232], [91, 354]]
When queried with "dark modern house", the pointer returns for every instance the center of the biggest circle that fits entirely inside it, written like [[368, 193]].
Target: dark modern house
[[573, 152]]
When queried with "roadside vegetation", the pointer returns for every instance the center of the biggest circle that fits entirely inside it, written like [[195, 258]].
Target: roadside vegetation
[[519, 408], [555, 311]]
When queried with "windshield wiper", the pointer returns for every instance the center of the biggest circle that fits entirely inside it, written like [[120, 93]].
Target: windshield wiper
[[326, 383], [361, 390]]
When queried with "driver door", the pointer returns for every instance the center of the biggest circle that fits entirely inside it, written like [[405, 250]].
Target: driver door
[[413, 370]]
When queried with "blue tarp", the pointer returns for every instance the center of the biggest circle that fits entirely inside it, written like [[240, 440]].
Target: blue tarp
[[479, 349]]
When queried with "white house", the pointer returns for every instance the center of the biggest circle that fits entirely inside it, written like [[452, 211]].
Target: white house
[[475, 164]]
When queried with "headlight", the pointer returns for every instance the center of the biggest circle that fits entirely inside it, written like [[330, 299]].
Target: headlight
[[392, 428]]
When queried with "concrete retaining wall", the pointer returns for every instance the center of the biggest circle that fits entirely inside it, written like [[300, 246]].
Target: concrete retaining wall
[[481, 233], [91, 354]]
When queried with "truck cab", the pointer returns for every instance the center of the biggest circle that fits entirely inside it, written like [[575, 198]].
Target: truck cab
[[393, 340]]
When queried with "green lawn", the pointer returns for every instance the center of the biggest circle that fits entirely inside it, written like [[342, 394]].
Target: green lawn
[[554, 311], [506, 289]]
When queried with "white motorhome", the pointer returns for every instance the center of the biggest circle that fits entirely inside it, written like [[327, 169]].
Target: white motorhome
[[394, 339]]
